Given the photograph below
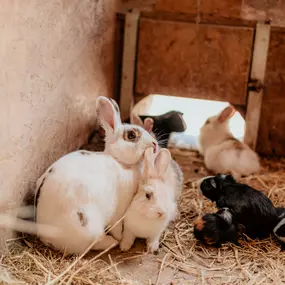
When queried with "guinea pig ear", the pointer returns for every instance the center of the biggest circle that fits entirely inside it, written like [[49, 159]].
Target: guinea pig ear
[[149, 170], [109, 113], [226, 114], [148, 124], [162, 162], [183, 122], [136, 120]]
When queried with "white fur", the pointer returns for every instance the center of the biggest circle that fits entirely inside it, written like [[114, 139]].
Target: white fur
[[93, 185], [15, 221], [280, 224], [174, 173], [222, 153], [143, 217], [84, 192]]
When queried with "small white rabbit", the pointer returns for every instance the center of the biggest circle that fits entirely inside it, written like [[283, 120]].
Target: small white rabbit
[[222, 152], [83, 192], [176, 175], [154, 205]]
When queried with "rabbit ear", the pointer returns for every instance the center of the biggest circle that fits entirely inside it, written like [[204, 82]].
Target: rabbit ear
[[162, 161], [148, 163], [136, 120], [116, 106], [148, 124], [109, 113], [226, 114]]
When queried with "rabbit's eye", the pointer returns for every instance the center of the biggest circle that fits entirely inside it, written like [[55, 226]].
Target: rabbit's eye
[[132, 135], [207, 122], [148, 195]]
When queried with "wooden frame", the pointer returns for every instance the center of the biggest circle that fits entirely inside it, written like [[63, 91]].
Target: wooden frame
[[257, 77], [129, 61], [255, 84]]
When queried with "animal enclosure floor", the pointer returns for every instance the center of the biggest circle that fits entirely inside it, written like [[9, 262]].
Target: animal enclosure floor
[[181, 260]]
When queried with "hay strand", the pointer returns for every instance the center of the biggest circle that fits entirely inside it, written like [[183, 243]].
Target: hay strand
[[28, 261]]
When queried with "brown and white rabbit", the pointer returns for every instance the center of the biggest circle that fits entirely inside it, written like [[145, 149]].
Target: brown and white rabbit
[[84, 192], [222, 152], [176, 175], [154, 205]]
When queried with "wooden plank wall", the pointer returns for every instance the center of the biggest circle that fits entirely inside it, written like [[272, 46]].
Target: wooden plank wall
[[271, 139], [197, 61], [213, 57]]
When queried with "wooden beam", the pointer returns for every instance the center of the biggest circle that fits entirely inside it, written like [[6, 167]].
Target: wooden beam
[[146, 5], [129, 61], [256, 84]]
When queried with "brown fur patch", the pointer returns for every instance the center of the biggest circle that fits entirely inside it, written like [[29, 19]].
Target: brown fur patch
[[134, 133], [101, 132], [82, 219], [199, 224], [237, 144]]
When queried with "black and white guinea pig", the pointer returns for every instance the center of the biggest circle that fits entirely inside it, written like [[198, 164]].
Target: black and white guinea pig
[[251, 208], [165, 124], [280, 212], [279, 230], [216, 229]]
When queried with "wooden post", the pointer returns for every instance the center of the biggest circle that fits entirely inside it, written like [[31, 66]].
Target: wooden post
[[129, 61], [256, 84]]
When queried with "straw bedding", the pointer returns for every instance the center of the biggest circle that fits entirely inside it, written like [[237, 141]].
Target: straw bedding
[[257, 262]]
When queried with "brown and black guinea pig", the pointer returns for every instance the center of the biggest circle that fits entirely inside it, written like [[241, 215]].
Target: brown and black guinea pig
[[216, 229], [165, 124], [251, 208]]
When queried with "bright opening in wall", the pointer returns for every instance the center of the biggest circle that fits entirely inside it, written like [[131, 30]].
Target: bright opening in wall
[[196, 112]]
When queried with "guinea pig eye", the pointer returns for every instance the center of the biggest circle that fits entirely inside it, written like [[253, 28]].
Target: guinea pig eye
[[207, 122], [148, 195], [213, 183]]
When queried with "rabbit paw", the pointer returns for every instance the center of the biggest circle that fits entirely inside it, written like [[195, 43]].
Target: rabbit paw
[[153, 246], [116, 232], [127, 241], [117, 235], [125, 245]]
